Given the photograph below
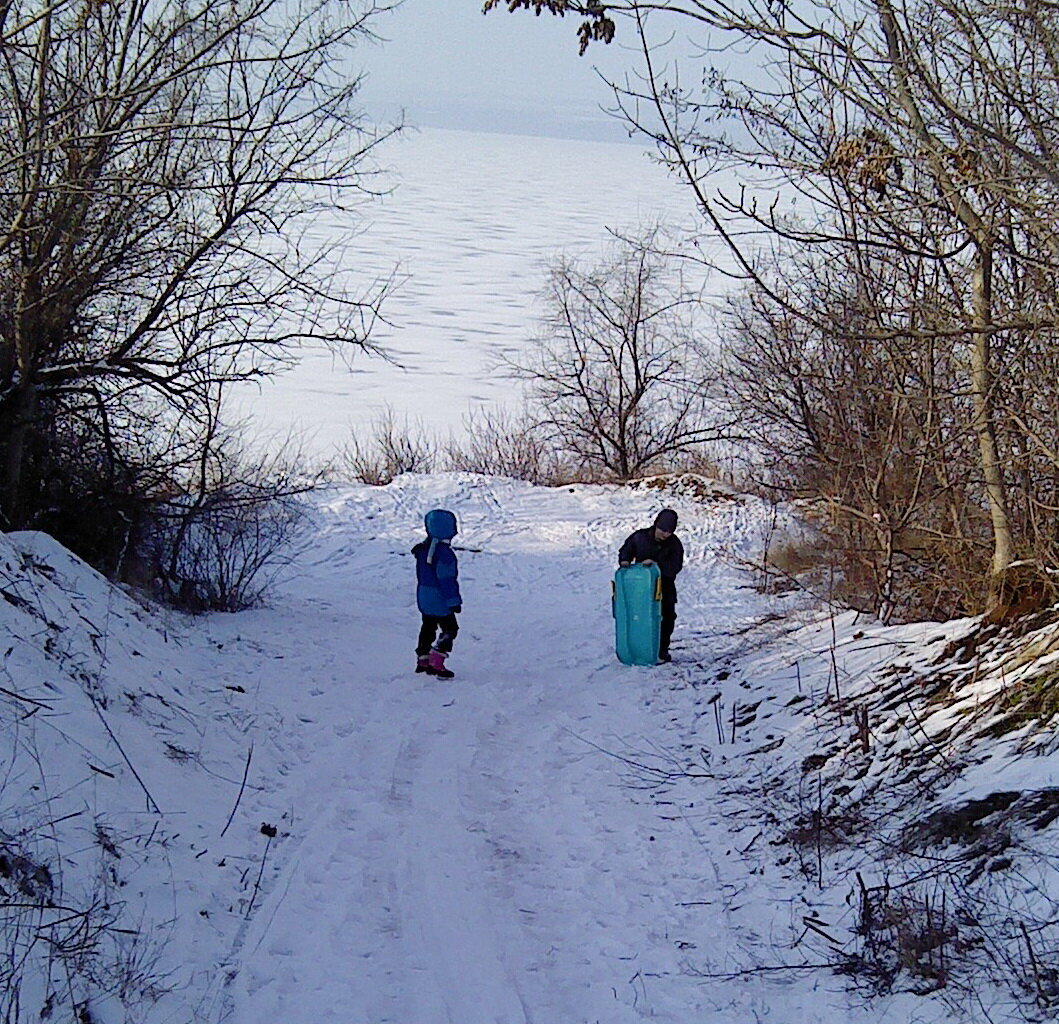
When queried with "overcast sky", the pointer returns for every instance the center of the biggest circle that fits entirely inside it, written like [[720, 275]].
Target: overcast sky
[[448, 65]]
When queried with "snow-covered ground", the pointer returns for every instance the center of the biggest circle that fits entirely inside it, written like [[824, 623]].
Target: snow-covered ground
[[468, 851], [272, 818]]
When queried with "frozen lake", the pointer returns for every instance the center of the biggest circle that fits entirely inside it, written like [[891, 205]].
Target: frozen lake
[[472, 224]]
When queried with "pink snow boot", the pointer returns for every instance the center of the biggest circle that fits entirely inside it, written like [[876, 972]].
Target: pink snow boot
[[437, 666], [423, 663]]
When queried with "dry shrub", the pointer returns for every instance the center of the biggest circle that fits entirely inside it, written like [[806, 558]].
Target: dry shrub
[[1022, 588], [908, 573], [906, 934], [497, 442], [500, 442], [216, 545], [793, 558], [391, 449], [60, 954], [701, 461]]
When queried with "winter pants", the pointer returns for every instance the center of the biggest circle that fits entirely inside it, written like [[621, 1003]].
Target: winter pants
[[431, 624], [669, 612]]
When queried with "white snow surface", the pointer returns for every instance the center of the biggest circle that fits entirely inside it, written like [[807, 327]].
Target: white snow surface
[[549, 838], [468, 850], [473, 223]]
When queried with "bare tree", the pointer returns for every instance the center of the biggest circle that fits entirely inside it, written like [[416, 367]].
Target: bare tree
[[877, 428], [162, 168], [877, 115], [615, 373]]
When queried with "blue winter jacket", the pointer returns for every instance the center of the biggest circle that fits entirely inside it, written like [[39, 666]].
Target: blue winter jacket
[[437, 585]]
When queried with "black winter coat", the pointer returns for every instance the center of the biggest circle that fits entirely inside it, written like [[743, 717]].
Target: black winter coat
[[642, 545]]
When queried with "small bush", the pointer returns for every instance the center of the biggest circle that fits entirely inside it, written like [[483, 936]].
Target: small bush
[[906, 935], [216, 551], [500, 443], [215, 547], [392, 449]]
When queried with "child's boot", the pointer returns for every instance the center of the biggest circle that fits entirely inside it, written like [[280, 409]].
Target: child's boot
[[423, 663], [437, 666]]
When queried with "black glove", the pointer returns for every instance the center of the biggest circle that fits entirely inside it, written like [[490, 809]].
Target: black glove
[[457, 609]]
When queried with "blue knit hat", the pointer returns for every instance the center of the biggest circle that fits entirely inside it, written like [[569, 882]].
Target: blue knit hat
[[441, 528]]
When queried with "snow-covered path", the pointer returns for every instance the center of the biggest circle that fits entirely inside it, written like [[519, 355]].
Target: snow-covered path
[[280, 822], [474, 851]]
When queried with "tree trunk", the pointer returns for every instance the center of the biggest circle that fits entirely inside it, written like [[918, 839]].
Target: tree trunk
[[984, 420], [19, 410], [980, 234]]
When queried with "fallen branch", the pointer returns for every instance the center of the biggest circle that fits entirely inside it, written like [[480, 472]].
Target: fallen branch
[[242, 788], [269, 831], [750, 971]]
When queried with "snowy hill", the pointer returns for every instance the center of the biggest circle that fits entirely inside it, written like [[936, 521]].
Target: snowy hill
[[268, 816]]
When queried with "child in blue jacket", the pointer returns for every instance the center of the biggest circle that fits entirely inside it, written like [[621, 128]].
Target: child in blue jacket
[[437, 593]]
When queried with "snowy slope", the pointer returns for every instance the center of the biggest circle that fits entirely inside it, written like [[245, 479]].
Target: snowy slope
[[115, 764], [288, 824]]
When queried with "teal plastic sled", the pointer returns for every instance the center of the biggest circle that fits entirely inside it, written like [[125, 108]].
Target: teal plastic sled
[[637, 592]]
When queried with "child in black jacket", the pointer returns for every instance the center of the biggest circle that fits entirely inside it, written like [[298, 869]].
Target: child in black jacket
[[659, 544]]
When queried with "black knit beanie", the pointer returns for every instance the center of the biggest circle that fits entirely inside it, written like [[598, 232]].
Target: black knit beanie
[[666, 520]]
